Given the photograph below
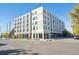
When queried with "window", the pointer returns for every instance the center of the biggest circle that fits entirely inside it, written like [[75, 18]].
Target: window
[[18, 19], [48, 14], [53, 17], [23, 22], [20, 30], [15, 20], [53, 21], [44, 11], [33, 18], [23, 30], [23, 17], [27, 25], [51, 29], [48, 28], [48, 18], [15, 27], [20, 26], [27, 20], [35, 12], [23, 26], [27, 30], [48, 23], [44, 21], [35, 22], [15, 24], [20, 22], [36, 17], [15, 30], [45, 17], [40, 35], [36, 35], [33, 35], [34, 28], [27, 16]]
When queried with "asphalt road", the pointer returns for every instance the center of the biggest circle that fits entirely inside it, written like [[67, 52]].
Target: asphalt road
[[30, 47]]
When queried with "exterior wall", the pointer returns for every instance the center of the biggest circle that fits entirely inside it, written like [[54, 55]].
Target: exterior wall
[[52, 25], [22, 25], [39, 23]]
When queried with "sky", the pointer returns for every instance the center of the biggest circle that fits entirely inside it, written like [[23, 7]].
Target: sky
[[9, 11]]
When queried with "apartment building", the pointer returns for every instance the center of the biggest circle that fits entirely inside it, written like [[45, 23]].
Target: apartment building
[[39, 24]]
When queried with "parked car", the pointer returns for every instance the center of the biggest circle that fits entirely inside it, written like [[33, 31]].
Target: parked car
[[76, 36]]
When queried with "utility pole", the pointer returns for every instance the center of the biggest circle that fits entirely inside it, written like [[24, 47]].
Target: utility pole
[[9, 29], [6, 27]]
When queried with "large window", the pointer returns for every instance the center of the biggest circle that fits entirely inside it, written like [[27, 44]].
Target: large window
[[33, 35], [36, 35], [40, 35]]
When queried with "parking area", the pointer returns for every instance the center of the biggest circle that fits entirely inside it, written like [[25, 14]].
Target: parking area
[[36, 47]]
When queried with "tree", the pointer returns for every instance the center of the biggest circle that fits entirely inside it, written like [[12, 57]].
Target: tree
[[6, 35], [75, 20], [21, 35], [13, 36], [66, 33]]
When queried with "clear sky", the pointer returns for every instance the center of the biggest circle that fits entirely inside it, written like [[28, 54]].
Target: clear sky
[[8, 12]]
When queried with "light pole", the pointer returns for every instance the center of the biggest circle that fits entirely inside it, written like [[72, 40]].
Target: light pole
[[6, 27], [9, 29]]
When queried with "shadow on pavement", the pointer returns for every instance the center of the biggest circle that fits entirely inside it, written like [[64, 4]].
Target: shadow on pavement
[[17, 52], [1, 44]]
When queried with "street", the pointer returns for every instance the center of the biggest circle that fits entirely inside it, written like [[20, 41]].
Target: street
[[32, 47]]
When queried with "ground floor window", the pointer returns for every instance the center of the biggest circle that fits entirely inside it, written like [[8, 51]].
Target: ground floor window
[[27, 35], [36, 35], [33, 35], [40, 35]]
